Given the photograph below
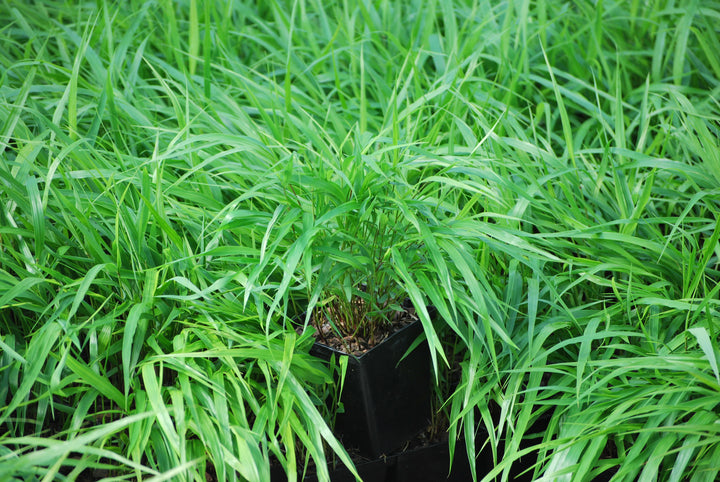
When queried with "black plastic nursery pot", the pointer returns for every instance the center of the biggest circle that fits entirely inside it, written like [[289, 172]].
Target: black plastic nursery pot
[[423, 464], [386, 400], [430, 463]]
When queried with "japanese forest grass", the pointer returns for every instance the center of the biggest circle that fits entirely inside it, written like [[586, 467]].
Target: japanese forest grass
[[179, 179]]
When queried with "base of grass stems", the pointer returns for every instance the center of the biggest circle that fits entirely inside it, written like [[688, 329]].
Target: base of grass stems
[[386, 398]]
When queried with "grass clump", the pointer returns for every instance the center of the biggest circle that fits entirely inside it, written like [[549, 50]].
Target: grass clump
[[179, 179]]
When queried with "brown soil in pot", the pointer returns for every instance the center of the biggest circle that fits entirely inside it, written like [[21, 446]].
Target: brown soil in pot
[[358, 345]]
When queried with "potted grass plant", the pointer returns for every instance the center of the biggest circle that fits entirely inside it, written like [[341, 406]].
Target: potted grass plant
[[343, 278], [363, 316]]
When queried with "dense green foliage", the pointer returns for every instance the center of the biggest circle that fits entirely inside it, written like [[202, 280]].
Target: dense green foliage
[[178, 179]]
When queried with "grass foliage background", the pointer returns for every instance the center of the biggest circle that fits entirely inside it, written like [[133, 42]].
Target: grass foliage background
[[179, 178]]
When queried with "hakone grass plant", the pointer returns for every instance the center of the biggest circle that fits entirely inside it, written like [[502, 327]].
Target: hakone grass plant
[[110, 366], [176, 179], [360, 238]]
